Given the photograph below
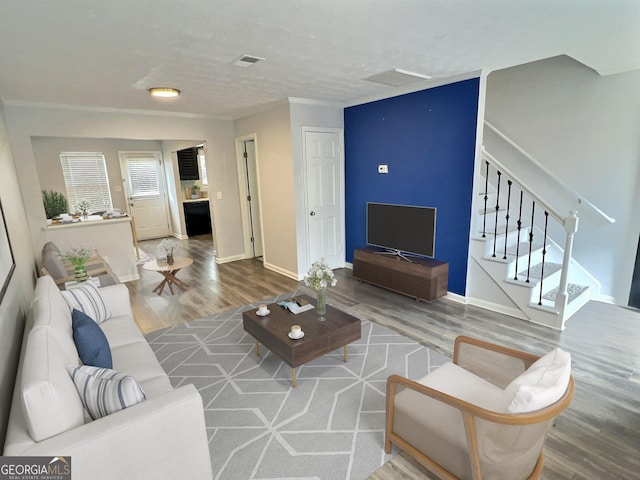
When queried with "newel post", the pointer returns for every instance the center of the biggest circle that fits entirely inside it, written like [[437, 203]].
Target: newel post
[[570, 228]]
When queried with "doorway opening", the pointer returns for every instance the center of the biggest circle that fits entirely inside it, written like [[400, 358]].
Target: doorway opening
[[250, 196], [634, 295]]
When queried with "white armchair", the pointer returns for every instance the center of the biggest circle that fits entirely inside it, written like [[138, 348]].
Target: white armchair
[[484, 416]]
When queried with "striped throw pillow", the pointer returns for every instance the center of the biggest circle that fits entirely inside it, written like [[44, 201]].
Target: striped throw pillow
[[104, 391], [87, 299]]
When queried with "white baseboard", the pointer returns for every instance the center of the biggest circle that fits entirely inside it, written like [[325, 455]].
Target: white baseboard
[[282, 271], [605, 299], [495, 307], [233, 258], [128, 278], [348, 265], [456, 298]]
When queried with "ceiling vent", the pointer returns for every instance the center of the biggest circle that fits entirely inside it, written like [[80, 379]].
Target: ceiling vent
[[397, 77], [246, 60]]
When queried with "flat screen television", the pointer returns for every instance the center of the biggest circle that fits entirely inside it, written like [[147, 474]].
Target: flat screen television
[[402, 229]]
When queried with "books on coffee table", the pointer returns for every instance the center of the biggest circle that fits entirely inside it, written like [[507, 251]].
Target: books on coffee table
[[294, 307]]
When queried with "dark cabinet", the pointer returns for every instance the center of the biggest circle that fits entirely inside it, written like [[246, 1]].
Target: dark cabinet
[[188, 164], [197, 218], [422, 278]]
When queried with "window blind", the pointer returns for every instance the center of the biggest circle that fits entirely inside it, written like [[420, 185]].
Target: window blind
[[143, 177], [203, 167], [85, 177]]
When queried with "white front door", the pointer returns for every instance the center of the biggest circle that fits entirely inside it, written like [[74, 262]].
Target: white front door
[[324, 167], [144, 185]]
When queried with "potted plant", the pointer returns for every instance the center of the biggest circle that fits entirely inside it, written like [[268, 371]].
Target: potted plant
[[54, 202], [84, 205], [78, 256], [168, 247], [195, 191]]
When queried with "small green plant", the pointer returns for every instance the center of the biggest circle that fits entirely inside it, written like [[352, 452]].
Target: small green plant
[[77, 255], [55, 203]]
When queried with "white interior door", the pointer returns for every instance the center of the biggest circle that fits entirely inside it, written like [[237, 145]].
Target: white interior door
[[144, 185], [324, 168], [253, 200]]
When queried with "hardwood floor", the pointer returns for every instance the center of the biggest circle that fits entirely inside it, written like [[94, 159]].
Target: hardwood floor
[[597, 437]]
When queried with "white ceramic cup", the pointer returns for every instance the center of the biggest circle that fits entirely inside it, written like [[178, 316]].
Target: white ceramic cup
[[296, 331], [262, 309]]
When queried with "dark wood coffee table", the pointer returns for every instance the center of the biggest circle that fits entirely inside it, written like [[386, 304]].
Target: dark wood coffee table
[[322, 334]]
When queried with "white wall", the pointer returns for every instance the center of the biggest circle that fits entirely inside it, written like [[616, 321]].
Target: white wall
[[26, 121], [20, 290], [46, 151], [584, 128], [276, 185], [305, 113], [172, 174]]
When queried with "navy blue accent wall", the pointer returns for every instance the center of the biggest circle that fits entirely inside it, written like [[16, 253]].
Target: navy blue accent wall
[[428, 140]]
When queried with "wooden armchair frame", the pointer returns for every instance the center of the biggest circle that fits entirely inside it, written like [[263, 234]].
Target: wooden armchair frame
[[469, 411]]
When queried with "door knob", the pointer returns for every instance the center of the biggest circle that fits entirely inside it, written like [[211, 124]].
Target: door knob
[[312, 213]]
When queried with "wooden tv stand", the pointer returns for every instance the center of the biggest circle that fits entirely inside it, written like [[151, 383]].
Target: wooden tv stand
[[422, 278]]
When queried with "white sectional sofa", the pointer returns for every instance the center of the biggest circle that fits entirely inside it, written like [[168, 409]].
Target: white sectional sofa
[[162, 437]]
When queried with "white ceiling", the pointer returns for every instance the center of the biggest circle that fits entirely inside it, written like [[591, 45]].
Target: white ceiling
[[106, 53]]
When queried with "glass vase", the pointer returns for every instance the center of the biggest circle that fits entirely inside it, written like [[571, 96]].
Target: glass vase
[[169, 258], [321, 306], [80, 274]]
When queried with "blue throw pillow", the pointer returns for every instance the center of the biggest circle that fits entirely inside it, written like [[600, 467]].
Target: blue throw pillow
[[91, 342]]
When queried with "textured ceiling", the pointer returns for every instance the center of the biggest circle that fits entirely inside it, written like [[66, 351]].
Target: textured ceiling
[[106, 53]]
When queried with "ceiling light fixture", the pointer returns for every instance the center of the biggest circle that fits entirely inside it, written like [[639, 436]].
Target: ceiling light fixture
[[164, 92]]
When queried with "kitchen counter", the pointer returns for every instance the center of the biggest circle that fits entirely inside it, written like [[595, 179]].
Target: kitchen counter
[[193, 200], [114, 238]]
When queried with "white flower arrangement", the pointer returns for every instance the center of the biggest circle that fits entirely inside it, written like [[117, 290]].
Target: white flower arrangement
[[84, 205], [77, 255], [320, 275], [168, 246]]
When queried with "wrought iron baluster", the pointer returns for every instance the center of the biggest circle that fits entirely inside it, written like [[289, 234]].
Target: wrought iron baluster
[[518, 242], [495, 226], [544, 253], [533, 212], [506, 226], [486, 197]]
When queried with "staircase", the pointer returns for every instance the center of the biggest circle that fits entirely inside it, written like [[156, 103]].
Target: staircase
[[514, 242]]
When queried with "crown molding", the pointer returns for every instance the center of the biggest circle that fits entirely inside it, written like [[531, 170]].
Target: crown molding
[[416, 87], [128, 111]]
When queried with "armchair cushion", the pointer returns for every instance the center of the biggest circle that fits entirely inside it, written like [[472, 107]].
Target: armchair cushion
[[416, 414], [541, 385], [54, 265]]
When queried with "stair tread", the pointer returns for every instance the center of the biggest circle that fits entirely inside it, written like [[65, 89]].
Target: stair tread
[[513, 228], [524, 249], [536, 270], [573, 290]]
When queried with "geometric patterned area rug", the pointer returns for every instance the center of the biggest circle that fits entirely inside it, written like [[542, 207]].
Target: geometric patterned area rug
[[331, 426]]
